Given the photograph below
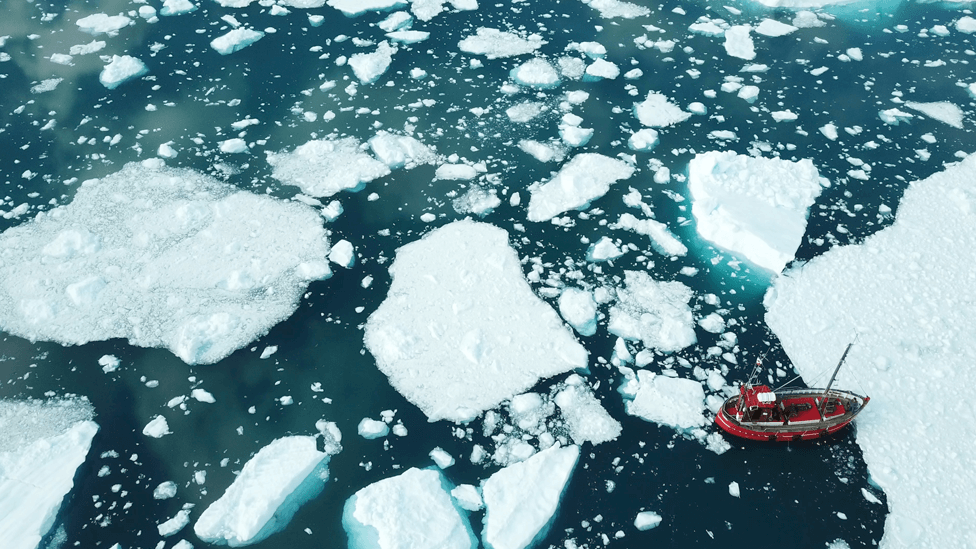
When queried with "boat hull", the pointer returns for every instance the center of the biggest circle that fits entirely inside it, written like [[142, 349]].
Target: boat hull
[[807, 424]]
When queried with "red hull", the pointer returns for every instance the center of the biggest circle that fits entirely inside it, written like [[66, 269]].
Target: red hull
[[793, 418]]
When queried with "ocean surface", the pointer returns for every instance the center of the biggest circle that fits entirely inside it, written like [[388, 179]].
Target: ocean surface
[[803, 495]]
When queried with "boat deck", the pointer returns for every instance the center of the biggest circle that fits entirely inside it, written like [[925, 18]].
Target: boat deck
[[804, 409]]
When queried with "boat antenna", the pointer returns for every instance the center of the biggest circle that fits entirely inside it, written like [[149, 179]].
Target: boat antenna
[[823, 402], [755, 370]]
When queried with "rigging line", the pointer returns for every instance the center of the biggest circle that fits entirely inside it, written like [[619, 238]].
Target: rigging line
[[787, 383]]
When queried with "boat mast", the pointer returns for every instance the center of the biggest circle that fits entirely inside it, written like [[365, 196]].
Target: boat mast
[[823, 398]]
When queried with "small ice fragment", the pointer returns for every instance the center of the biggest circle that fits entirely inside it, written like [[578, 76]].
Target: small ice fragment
[[371, 428], [157, 428]]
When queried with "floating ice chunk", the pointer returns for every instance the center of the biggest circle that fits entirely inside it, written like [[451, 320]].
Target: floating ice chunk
[[121, 69], [493, 43], [587, 419], [643, 140], [408, 36], [611, 9], [202, 309], [653, 312], [176, 7], [235, 40], [807, 19], [157, 428], [468, 497], [233, 146], [657, 112], [784, 116], [734, 489], [441, 458], [371, 428], [543, 152], [603, 250], [829, 131], [109, 363], [943, 111], [343, 254], [400, 20], [601, 69], [353, 8], [575, 136], [738, 43], [101, 23], [400, 151], [772, 27], [42, 445], [525, 111], [537, 73], [674, 402], [755, 207], [478, 201], [460, 330], [368, 67], [166, 150], [579, 310], [45, 86], [165, 490], [966, 24], [324, 167], [269, 490], [175, 524], [900, 333], [521, 499], [463, 172], [202, 395], [662, 240], [647, 520], [409, 510], [586, 177], [894, 116], [85, 49], [713, 322]]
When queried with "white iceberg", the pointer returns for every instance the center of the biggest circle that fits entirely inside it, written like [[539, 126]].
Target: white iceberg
[[269, 490], [120, 69], [235, 40], [756, 207], [324, 167], [42, 445], [163, 257], [655, 313], [493, 43], [657, 112], [410, 510], [521, 499], [585, 178], [368, 67], [461, 330], [906, 293], [671, 401]]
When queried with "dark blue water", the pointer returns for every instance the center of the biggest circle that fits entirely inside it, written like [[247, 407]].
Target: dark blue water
[[791, 493]]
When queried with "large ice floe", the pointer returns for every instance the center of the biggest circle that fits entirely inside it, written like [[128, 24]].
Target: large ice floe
[[324, 167], [271, 487], [411, 510], [461, 330], [585, 178], [908, 293], [521, 499], [42, 444], [653, 312], [163, 257], [493, 43], [755, 207]]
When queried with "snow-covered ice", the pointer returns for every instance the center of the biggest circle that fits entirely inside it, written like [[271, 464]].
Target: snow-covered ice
[[461, 330], [202, 267], [756, 207], [494, 43], [907, 294], [270, 488], [324, 167], [235, 40], [675, 402], [587, 419], [662, 239], [441, 458], [400, 151], [772, 27], [353, 8], [585, 178], [101, 23], [42, 444], [647, 520], [943, 111], [521, 499], [578, 308], [368, 67], [177, 7], [738, 43], [537, 73], [611, 9], [657, 111], [370, 428], [343, 254], [157, 428], [655, 313], [410, 510], [120, 69]]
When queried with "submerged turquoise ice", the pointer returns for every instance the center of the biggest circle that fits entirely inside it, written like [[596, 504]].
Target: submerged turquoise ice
[[302, 131]]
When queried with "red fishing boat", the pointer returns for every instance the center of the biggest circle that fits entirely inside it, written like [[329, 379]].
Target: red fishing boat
[[759, 413]]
